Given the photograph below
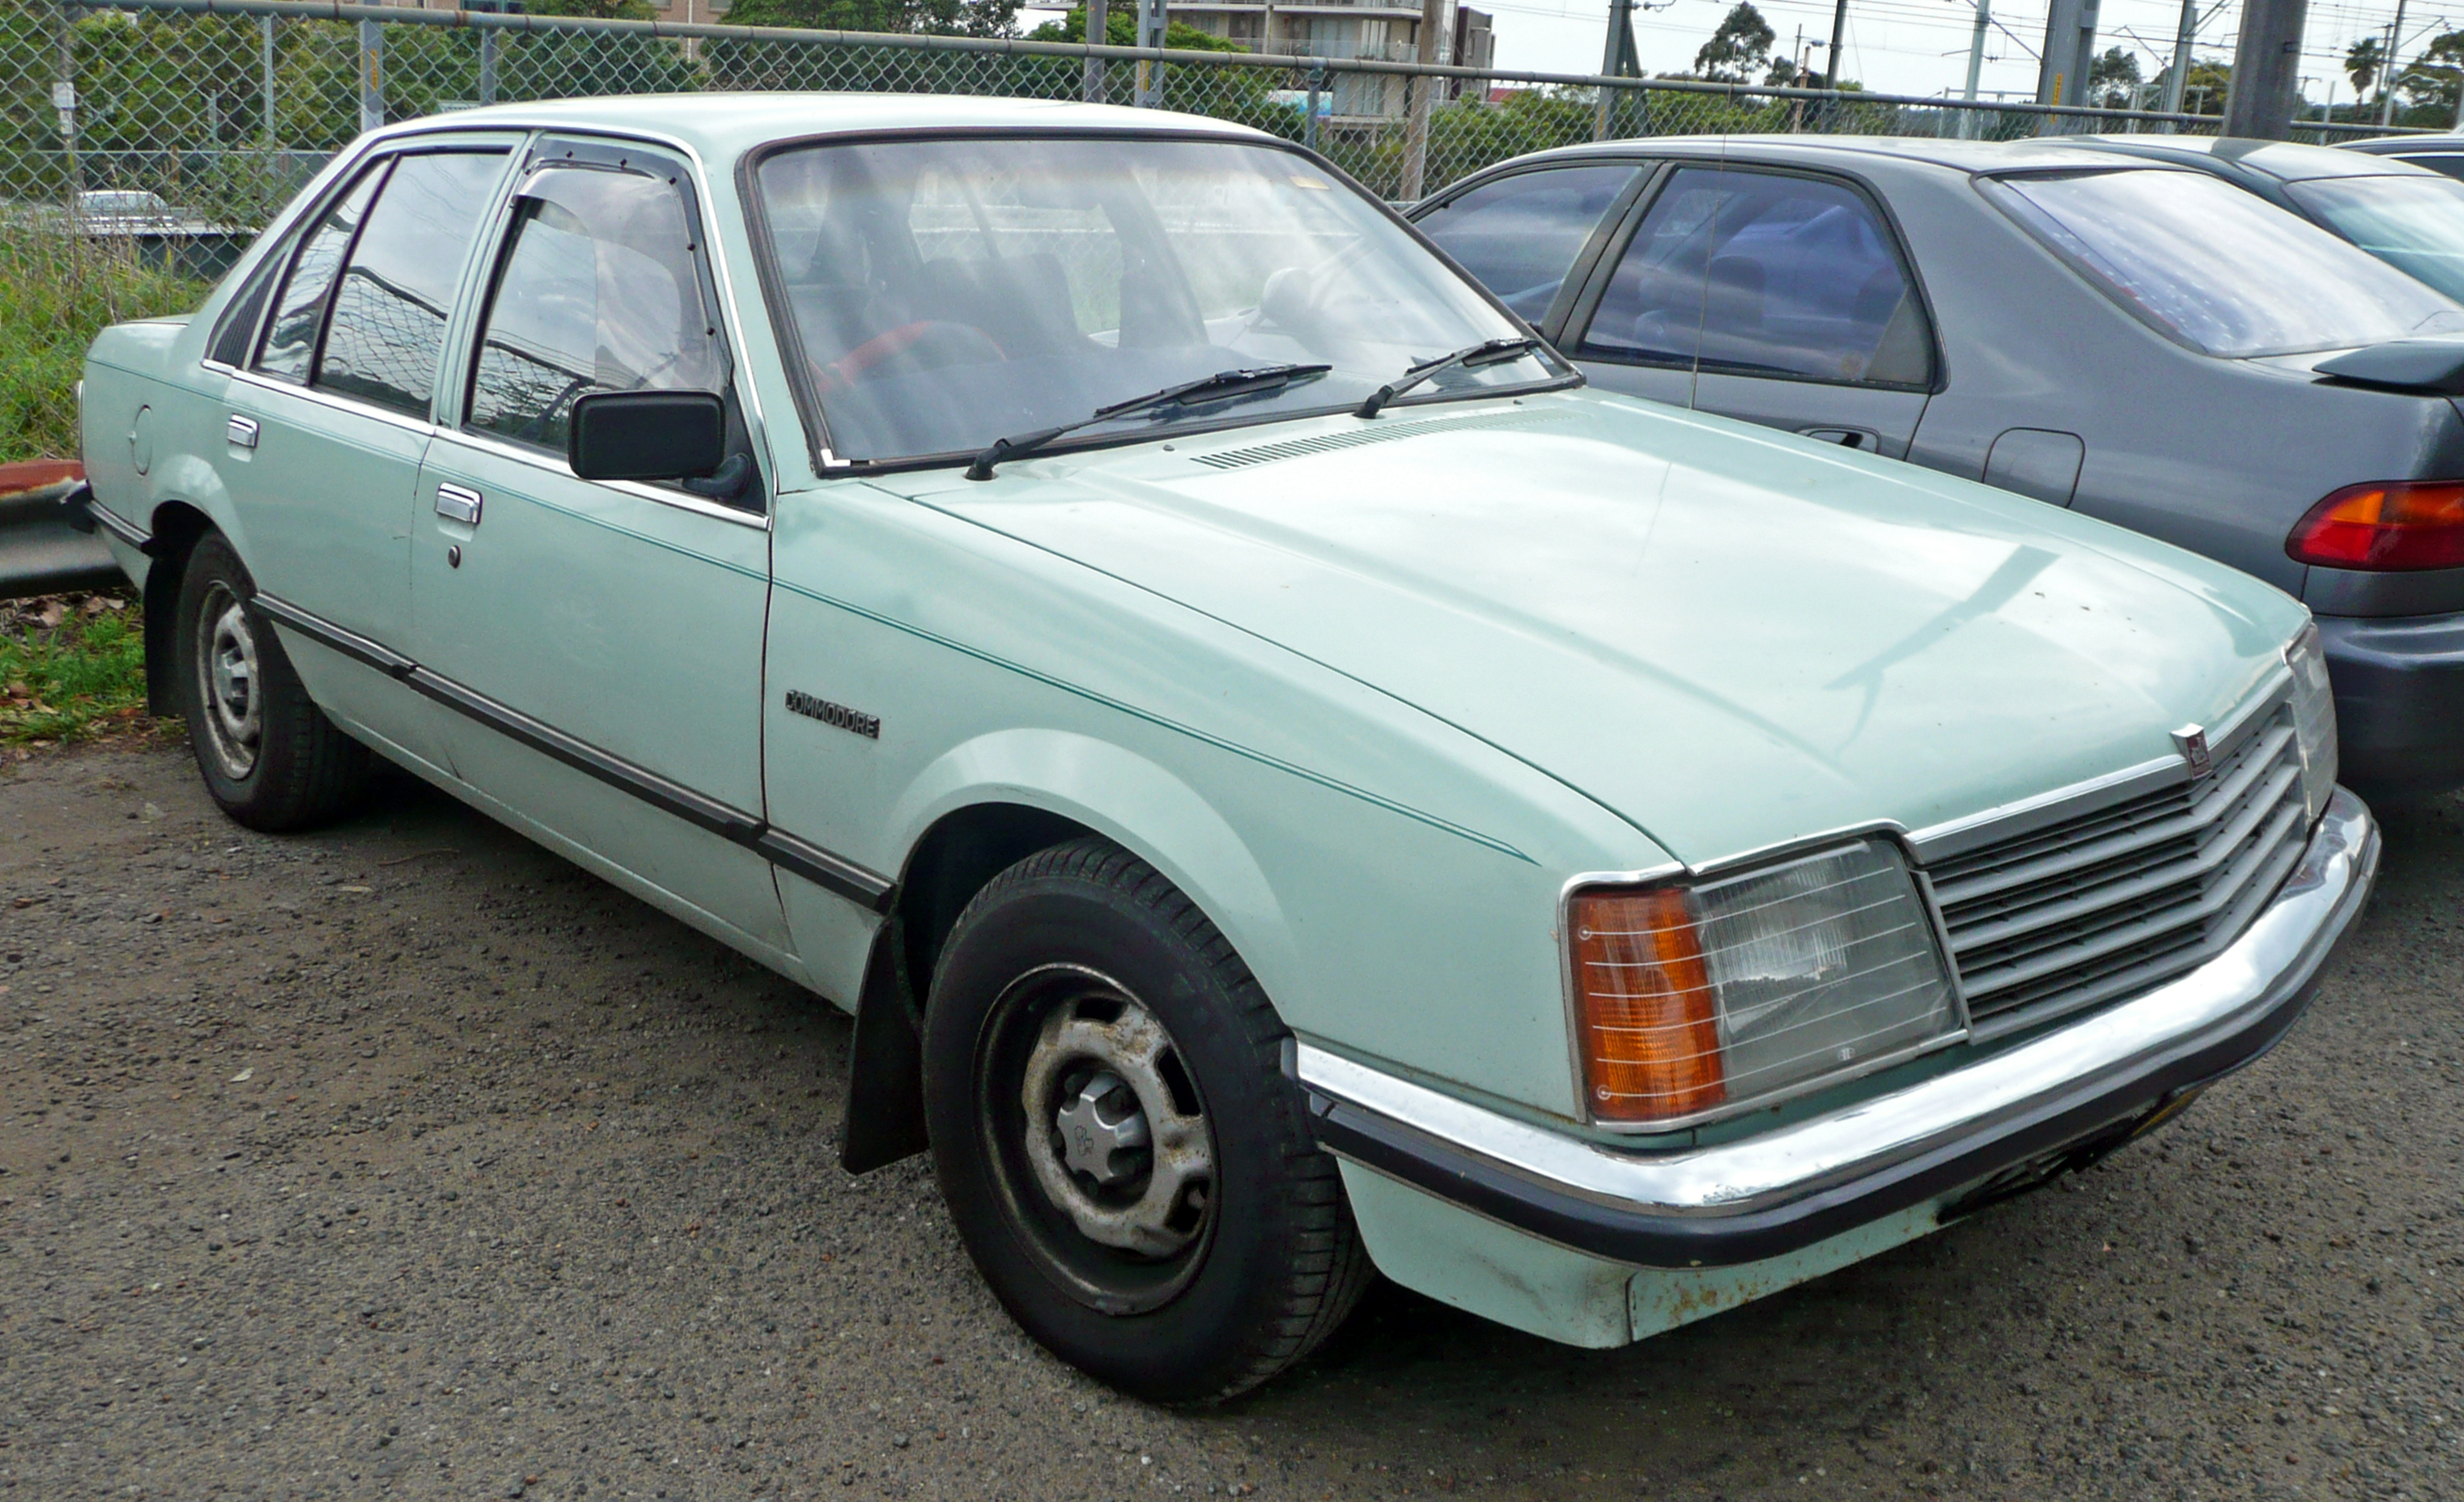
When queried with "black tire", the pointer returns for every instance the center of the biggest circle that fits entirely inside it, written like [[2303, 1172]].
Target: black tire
[[269, 755], [1083, 941]]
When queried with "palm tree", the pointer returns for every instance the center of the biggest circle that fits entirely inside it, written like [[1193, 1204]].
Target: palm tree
[[2364, 61]]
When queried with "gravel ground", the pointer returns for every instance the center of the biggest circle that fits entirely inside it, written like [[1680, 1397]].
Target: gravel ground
[[407, 1160]]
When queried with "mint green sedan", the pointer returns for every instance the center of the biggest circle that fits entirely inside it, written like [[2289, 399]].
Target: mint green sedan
[[1289, 783]]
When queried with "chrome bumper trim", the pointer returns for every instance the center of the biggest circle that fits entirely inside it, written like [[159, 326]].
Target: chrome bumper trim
[[1769, 1194]]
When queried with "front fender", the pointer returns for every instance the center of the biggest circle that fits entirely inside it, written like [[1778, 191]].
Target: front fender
[[1129, 800]]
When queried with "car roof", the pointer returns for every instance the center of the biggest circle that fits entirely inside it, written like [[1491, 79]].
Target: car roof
[[1963, 156], [2284, 161], [722, 125], [2398, 145]]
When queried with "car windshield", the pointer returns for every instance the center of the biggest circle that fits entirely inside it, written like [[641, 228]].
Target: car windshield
[[2219, 268], [945, 294], [2414, 223]]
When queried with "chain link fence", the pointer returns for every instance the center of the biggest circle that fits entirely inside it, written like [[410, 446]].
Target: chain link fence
[[143, 142]]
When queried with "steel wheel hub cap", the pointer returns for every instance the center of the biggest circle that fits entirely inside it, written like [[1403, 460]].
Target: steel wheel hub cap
[[234, 706], [1114, 1145]]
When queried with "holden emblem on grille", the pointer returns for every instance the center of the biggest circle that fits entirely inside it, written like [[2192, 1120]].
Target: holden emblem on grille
[[2192, 740]]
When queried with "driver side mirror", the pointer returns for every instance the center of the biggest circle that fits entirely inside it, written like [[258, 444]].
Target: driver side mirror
[[647, 435]]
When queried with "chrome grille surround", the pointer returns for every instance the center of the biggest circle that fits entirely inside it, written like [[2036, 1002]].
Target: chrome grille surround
[[2105, 892]]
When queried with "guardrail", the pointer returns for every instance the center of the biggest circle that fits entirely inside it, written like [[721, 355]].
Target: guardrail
[[43, 553]]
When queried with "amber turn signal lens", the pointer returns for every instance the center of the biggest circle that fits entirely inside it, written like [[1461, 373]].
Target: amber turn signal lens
[[2415, 524], [1650, 1037]]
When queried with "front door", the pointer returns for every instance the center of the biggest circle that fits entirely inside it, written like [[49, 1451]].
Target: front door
[[600, 645], [1776, 297]]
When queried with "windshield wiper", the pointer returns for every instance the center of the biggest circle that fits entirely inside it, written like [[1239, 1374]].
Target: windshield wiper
[[1487, 352], [1225, 386]]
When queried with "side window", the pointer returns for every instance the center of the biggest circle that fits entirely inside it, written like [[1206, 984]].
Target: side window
[[596, 291], [1520, 234], [1758, 274], [290, 345], [390, 308], [2439, 162]]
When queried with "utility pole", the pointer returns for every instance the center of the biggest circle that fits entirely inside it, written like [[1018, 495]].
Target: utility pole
[[1098, 33], [1975, 67], [2387, 67], [2179, 73], [1150, 32], [1839, 33], [2259, 104], [1620, 58], [1423, 85], [2070, 52]]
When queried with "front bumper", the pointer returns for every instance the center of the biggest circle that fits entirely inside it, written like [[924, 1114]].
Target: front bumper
[[2399, 700], [1783, 1190]]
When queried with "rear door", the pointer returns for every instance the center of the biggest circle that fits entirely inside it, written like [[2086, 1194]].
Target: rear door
[[1780, 297], [332, 415]]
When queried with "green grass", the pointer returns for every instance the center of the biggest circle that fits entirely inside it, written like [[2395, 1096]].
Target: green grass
[[79, 675], [55, 295]]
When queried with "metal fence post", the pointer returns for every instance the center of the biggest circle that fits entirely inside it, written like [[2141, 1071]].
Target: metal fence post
[[1317, 84], [371, 76], [487, 65], [65, 99], [265, 47], [1099, 31]]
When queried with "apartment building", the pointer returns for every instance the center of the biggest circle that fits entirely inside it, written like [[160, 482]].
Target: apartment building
[[1387, 30]]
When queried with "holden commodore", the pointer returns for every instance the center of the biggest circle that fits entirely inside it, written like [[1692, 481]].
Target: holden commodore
[[1287, 782]]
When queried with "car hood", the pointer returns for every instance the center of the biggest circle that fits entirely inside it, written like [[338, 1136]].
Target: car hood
[[1729, 637]]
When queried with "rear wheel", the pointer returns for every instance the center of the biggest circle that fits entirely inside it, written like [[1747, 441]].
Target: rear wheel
[[1120, 1150], [269, 755]]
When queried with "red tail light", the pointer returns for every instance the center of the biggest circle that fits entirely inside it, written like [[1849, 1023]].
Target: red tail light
[[2407, 524]]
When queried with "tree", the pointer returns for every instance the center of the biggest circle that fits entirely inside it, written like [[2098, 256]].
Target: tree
[[2113, 78], [2364, 61], [1739, 49], [931, 17], [2430, 91], [1121, 30]]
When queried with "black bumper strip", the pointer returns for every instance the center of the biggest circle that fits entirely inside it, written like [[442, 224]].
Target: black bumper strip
[[114, 523], [325, 633], [730, 823], [865, 888], [827, 871], [1665, 1240]]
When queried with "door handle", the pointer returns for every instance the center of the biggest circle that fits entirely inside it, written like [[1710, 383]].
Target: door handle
[[240, 431], [1845, 437], [459, 503]]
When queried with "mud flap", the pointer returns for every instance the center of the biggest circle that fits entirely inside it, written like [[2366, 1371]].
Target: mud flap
[[885, 1094]]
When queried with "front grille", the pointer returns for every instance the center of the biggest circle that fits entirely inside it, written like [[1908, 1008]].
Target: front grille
[[2113, 902]]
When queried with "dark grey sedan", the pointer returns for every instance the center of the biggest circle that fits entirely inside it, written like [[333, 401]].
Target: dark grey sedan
[[2441, 153], [2408, 216], [2139, 341]]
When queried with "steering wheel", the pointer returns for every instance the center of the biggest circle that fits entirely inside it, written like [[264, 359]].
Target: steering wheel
[[926, 345]]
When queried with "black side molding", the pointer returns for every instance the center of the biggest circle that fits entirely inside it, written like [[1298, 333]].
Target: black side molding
[[832, 873], [2431, 368]]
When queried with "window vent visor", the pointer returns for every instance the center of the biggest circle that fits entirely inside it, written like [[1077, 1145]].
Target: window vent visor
[[1752, 987]]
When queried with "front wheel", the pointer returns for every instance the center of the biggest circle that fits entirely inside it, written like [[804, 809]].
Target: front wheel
[[1120, 1150], [270, 757]]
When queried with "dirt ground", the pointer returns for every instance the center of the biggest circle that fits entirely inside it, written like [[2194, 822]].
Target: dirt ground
[[406, 1160]]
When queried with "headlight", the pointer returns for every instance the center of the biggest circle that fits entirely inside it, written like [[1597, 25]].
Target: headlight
[[2314, 718], [1711, 997]]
